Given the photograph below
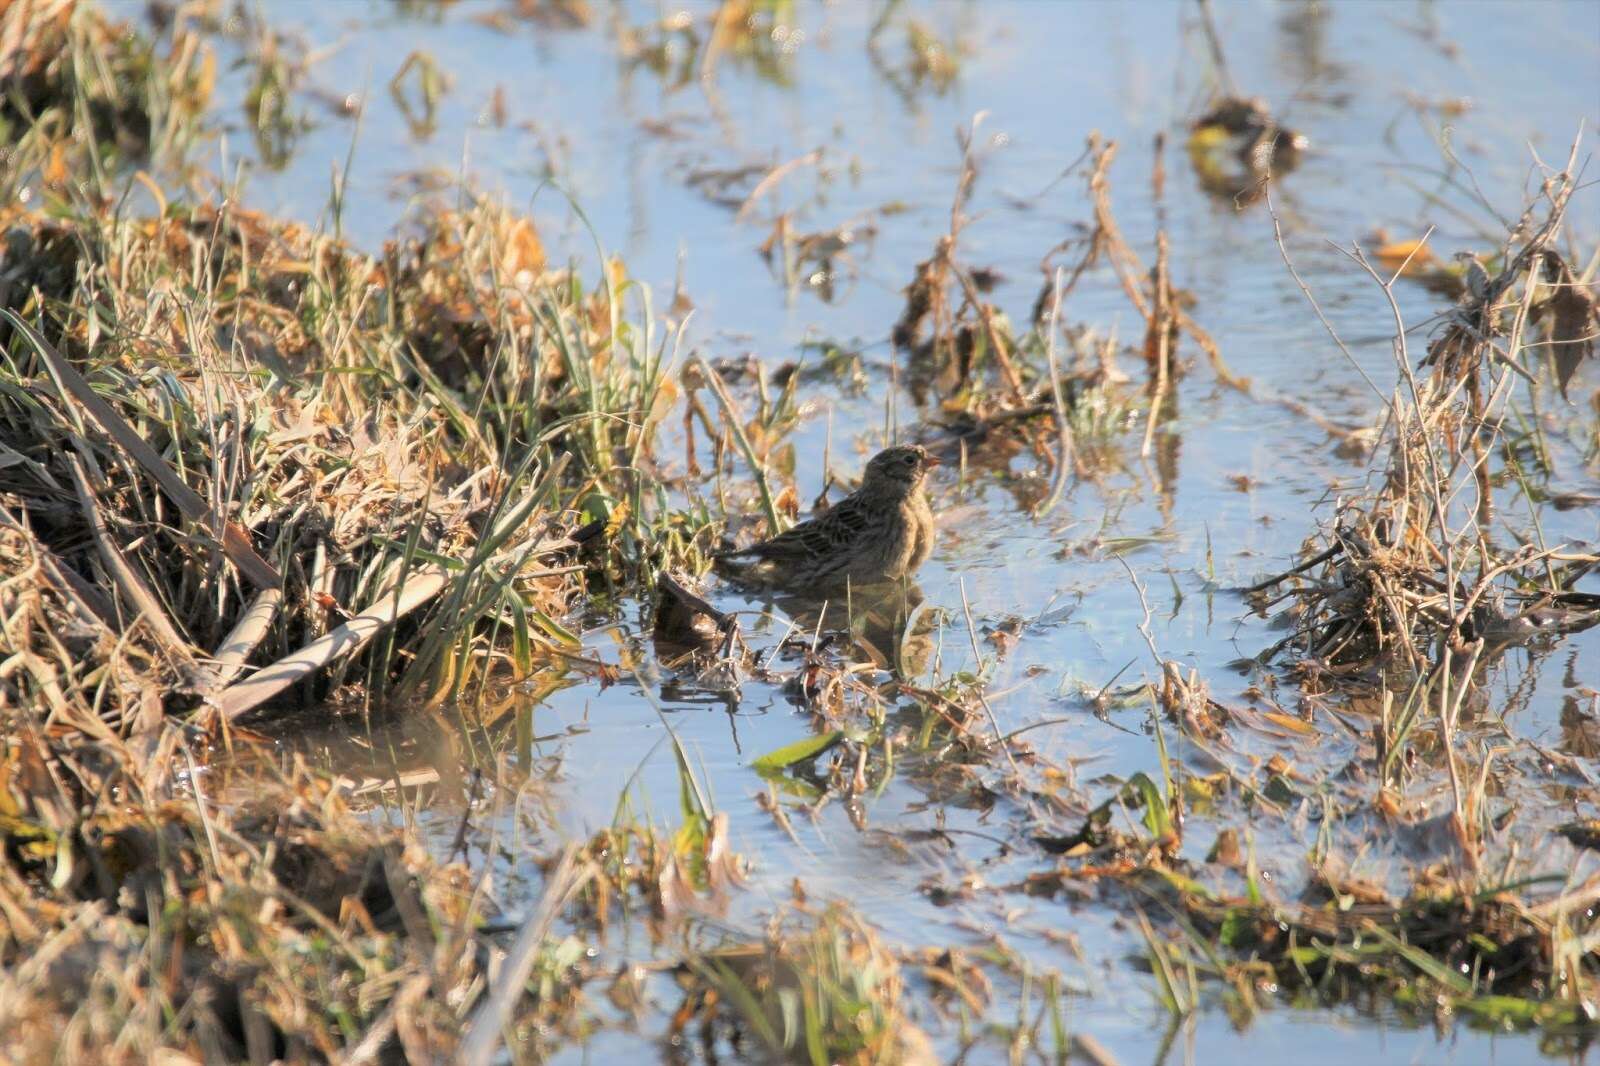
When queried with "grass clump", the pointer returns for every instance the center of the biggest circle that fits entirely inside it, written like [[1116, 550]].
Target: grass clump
[[439, 419], [822, 988], [1422, 582], [1419, 586], [263, 923], [1495, 957], [86, 93]]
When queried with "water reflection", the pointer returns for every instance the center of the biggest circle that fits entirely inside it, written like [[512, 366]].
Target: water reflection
[[1237, 146], [884, 622], [1580, 725], [1306, 55]]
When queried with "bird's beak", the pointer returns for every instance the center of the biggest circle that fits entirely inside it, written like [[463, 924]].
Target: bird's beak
[[932, 461]]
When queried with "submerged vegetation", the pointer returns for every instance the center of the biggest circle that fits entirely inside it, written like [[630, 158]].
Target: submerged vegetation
[[259, 484]]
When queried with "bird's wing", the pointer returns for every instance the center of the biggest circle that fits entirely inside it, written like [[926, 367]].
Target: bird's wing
[[818, 537]]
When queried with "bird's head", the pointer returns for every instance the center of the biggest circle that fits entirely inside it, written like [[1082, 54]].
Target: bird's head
[[898, 471]]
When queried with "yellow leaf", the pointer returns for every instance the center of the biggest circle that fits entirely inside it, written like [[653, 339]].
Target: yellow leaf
[[1393, 253], [619, 515], [1289, 722]]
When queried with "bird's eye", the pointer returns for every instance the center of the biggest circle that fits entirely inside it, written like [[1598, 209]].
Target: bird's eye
[[910, 460]]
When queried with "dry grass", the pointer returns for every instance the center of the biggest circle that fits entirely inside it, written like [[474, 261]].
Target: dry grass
[[261, 924], [87, 93], [1418, 585], [354, 424], [245, 467], [821, 988]]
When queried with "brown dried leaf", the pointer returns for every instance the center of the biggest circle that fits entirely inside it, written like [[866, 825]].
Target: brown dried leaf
[[788, 503]]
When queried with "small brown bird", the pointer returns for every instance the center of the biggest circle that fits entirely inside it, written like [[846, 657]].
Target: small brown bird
[[881, 532]]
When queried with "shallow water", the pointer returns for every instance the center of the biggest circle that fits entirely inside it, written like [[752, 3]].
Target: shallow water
[[1235, 485]]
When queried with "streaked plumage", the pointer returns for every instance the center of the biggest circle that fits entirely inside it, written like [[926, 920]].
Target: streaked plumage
[[881, 532]]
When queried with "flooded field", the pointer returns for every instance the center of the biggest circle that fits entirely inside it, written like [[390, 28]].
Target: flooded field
[[1102, 781]]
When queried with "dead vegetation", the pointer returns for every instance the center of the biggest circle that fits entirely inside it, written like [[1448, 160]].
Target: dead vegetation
[[822, 987], [993, 384], [241, 400], [1398, 617], [86, 92], [1415, 591], [247, 467], [1422, 582], [271, 925], [946, 323]]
